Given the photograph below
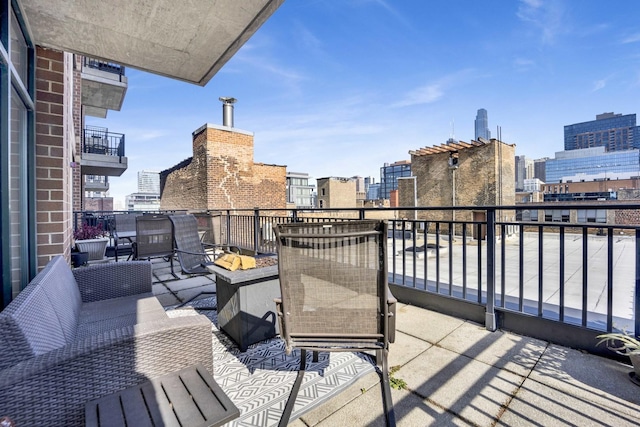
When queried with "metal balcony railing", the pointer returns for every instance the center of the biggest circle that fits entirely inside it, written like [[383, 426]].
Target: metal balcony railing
[[98, 140], [109, 67], [565, 278]]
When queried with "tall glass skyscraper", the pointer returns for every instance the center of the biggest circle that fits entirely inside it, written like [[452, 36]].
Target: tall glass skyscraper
[[592, 163], [482, 125], [615, 132], [389, 175]]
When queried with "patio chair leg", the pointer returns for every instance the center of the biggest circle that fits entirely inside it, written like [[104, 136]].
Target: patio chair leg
[[171, 262], [381, 356], [288, 409]]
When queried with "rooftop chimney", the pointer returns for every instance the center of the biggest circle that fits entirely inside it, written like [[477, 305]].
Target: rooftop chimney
[[227, 111]]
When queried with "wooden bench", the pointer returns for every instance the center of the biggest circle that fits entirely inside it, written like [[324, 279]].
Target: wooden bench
[[189, 397]]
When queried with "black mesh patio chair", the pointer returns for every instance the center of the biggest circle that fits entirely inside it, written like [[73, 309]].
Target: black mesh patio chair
[[194, 255], [154, 238], [334, 294], [124, 232]]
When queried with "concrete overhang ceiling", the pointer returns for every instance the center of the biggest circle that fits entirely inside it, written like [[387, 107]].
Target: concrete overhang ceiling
[[188, 40]]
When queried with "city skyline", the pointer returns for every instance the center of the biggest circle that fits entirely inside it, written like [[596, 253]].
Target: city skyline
[[340, 89]]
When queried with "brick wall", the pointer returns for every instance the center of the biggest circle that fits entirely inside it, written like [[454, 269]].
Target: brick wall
[[222, 175], [53, 155], [485, 177]]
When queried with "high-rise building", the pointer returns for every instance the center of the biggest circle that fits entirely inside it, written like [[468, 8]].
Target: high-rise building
[[482, 125], [524, 170], [615, 132], [592, 163], [539, 166], [149, 182], [389, 175]]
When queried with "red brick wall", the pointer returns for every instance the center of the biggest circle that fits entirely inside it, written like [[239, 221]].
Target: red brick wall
[[222, 175], [53, 154]]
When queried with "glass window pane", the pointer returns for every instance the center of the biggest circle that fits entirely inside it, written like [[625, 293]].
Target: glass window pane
[[17, 193], [582, 215], [19, 50]]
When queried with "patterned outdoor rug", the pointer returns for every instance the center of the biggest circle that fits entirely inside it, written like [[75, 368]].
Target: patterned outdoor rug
[[259, 380]]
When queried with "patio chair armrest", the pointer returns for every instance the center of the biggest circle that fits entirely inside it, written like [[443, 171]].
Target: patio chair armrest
[[182, 251], [112, 280], [391, 303], [52, 388]]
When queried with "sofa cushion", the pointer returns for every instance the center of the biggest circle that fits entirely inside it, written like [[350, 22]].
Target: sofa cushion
[[102, 316], [29, 327], [58, 283]]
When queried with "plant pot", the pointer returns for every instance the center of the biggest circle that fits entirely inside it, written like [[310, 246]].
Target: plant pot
[[95, 247], [79, 258]]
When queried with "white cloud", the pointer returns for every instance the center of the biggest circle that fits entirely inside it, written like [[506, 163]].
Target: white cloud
[[546, 16], [434, 91], [599, 84], [422, 95], [523, 64], [633, 38]]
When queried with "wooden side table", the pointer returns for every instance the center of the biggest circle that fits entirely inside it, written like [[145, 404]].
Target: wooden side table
[[190, 397]]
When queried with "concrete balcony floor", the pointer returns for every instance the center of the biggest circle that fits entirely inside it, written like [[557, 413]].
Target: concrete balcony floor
[[458, 373]]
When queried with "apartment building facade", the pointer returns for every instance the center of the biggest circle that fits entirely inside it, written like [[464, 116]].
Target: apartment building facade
[[614, 132], [336, 192]]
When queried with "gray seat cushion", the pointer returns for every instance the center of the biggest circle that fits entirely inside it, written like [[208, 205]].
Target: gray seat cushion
[[101, 316]]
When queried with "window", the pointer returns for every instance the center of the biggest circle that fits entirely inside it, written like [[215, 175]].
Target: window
[[19, 49], [16, 125], [592, 215]]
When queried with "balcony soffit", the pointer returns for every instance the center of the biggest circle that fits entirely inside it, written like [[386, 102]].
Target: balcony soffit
[[186, 40]]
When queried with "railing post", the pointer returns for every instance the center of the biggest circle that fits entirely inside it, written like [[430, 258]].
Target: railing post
[[361, 213], [256, 229], [228, 242], [121, 148], [295, 215], [637, 313], [490, 315]]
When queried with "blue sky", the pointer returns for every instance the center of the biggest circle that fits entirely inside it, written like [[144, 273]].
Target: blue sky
[[339, 87]]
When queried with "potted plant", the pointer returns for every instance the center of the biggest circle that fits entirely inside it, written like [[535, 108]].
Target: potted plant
[[78, 258], [625, 344], [92, 239]]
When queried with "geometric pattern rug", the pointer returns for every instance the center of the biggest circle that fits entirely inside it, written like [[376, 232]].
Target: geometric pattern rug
[[259, 380]]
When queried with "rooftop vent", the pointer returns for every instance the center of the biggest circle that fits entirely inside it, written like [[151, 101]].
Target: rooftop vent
[[227, 111]]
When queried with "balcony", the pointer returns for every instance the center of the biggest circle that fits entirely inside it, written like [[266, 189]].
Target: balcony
[[496, 323], [456, 373], [102, 152], [104, 86], [96, 183]]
